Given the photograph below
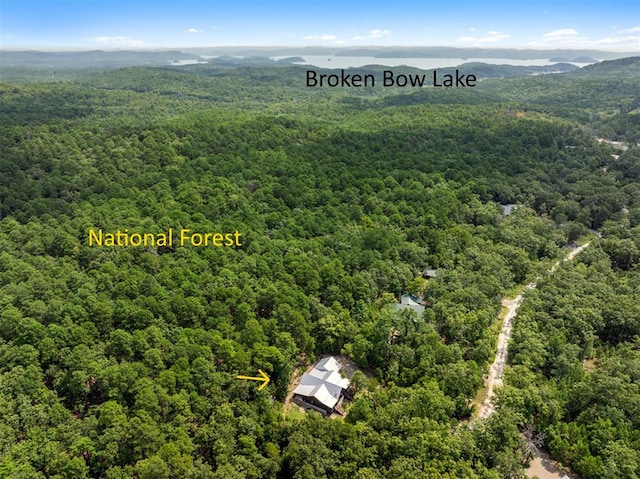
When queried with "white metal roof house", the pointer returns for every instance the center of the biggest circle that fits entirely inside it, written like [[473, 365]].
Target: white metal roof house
[[322, 388]]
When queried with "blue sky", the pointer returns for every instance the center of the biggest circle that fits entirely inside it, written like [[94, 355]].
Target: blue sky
[[116, 24]]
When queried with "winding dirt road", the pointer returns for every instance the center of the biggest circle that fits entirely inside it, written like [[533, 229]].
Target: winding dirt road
[[497, 368]]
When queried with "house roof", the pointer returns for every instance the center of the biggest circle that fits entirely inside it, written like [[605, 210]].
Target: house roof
[[331, 377], [509, 208], [408, 301], [323, 382], [328, 364], [326, 393]]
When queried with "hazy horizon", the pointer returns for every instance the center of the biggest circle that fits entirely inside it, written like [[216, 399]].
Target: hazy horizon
[[54, 49]]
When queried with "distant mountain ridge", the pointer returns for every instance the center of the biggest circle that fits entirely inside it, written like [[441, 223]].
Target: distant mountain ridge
[[574, 60], [454, 52], [92, 58], [413, 52], [123, 58], [622, 67]]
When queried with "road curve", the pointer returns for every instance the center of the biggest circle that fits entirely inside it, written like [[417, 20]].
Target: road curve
[[497, 368]]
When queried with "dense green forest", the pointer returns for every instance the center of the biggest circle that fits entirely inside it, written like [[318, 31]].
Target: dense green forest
[[121, 362]]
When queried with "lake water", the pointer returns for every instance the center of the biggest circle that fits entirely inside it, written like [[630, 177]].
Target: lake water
[[329, 61], [325, 61], [187, 62]]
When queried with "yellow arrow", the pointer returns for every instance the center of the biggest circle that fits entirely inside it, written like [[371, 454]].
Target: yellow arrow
[[264, 378]]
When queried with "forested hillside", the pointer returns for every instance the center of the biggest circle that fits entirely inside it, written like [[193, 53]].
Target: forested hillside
[[574, 376], [121, 362]]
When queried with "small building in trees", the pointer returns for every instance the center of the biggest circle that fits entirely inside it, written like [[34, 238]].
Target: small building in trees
[[509, 208], [429, 273], [322, 388], [409, 301]]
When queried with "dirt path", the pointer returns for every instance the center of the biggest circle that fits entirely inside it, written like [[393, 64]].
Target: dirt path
[[495, 371], [497, 368], [543, 467]]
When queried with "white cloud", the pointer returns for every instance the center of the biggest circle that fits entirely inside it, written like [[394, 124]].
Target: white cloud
[[566, 38], [630, 42], [564, 34], [491, 37], [320, 37], [117, 41], [608, 40], [571, 38], [192, 30], [630, 30], [377, 33]]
